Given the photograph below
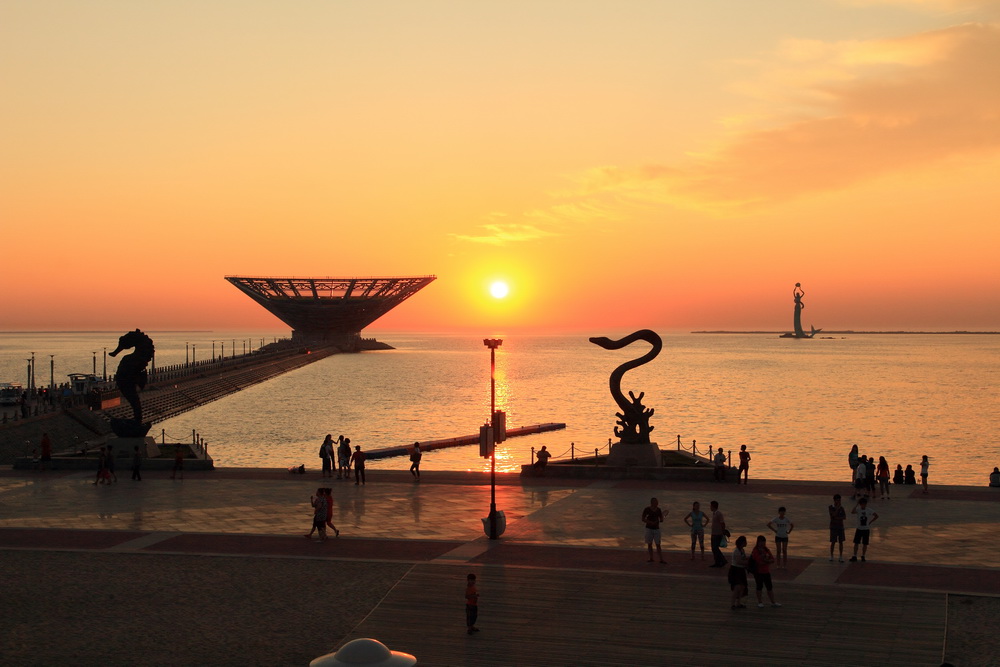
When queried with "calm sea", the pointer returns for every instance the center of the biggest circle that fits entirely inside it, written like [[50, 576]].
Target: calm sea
[[798, 405]]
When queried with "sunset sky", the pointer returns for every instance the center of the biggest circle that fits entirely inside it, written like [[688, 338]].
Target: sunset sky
[[671, 165]]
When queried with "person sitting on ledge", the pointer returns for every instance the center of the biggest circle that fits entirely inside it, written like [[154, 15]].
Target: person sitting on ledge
[[897, 477], [910, 475], [543, 458], [995, 477]]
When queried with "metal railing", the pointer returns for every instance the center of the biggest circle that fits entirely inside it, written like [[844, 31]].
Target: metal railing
[[573, 452]]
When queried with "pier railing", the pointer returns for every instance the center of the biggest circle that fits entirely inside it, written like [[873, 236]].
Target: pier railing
[[575, 452]]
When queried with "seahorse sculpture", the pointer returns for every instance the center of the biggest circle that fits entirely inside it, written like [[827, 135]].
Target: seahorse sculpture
[[130, 378], [634, 416]]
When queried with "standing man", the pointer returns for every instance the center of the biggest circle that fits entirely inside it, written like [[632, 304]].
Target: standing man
[[471, 604], [837, 517], [358, 460], [415, 457], [718, 532], [782, 526], [653, 517], [862, 533], [720, 466], [326, 454], [744, 469], [344, 457], [136, 464]]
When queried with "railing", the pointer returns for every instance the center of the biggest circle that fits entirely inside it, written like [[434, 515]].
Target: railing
[[575, 452], [708, 455], [198, 444]]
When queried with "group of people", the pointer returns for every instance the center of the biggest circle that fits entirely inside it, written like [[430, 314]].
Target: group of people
[[760, 559], [866, 474], [344, 459]]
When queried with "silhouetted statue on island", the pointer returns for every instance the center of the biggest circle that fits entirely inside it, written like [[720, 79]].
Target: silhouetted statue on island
[[130, 378], [797, 294], [634, 417]]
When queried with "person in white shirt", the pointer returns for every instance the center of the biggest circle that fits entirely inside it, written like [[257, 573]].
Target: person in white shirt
[[782, 526], [862, 532]]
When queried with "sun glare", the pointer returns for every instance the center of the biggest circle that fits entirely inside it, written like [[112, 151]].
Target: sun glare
[[499, 289]]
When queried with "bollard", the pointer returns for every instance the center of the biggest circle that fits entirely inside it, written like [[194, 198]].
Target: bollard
[[572, 452]]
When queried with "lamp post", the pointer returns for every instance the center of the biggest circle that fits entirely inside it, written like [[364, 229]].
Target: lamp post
[[193, 349], [52, 373], [186, 360], [493, 344], [223, 343], [105, 364], [94, 368], [213, 350], [32, 371]]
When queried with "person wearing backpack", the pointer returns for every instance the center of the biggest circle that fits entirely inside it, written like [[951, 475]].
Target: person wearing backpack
[[759, 565]]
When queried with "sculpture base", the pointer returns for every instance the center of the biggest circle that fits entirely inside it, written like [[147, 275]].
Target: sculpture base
[[123, 447], [645, 455], [129, 428]]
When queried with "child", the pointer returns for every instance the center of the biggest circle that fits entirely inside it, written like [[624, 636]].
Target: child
[[697, 520], [319, 514], [471, 604], [782, 526]]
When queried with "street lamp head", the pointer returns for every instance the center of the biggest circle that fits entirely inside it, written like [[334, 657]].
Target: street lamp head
[[492, 343]]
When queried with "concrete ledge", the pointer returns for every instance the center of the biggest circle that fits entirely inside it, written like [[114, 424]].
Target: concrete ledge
[[678, 473]]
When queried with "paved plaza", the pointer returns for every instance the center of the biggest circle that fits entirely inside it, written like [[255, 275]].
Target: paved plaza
[[568, 583]]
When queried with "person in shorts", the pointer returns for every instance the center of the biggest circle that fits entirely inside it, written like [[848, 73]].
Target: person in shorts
[[653, 516], [782, 526], [837, 517], [862, 533], [762, 559], [744, 469], [697, 520]]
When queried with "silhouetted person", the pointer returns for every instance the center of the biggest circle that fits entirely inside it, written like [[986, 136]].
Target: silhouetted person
[[543, 459], [358, 460], [415, 457]]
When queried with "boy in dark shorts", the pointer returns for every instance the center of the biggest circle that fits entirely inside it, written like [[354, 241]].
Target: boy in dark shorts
[[837, 517], [862, 534]]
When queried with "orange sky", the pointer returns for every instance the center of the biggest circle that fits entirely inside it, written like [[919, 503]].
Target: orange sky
[[676, 166]]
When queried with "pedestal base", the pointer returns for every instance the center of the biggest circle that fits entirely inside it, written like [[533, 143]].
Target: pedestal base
[[123, 447], [644, 455]]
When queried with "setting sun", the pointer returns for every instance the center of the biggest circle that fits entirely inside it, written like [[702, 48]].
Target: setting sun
[[499, 289]]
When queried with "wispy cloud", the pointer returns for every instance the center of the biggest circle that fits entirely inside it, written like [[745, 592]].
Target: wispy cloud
[[832, 115]]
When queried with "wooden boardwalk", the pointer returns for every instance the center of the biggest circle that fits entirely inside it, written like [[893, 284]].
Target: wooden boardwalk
[[537, 618]]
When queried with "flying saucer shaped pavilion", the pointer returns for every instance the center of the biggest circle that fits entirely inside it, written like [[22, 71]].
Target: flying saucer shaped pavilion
[[329, 310]]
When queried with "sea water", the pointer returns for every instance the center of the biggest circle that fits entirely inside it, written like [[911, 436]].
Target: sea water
[[798, 405]]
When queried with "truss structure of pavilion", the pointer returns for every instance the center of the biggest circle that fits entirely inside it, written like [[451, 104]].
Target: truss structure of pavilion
[[329, 310]]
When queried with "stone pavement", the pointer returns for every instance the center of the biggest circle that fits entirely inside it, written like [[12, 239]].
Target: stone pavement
[[921, 544]]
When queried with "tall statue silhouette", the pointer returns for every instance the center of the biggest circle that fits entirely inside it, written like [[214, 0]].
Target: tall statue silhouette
[[130, 378], [797, 294]]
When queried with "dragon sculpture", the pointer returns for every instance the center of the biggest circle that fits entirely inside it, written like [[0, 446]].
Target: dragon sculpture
[[634, 416], [130, 378]]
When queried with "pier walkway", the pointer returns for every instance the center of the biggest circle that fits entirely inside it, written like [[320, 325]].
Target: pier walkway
[[215, 570]]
